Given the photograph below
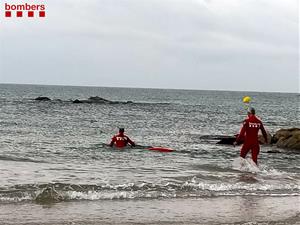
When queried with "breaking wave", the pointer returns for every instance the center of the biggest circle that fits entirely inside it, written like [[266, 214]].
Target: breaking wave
[[56, 192]]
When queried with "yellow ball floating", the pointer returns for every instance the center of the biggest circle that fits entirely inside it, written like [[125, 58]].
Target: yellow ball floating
[[246, 99]]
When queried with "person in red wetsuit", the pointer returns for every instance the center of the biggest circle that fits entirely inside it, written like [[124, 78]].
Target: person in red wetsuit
[[249, 134], [120, 140]]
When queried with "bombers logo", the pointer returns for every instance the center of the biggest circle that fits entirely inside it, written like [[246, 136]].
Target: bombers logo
[[24, 10]]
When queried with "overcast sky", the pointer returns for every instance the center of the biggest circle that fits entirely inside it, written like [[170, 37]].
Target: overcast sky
[[247, 45]]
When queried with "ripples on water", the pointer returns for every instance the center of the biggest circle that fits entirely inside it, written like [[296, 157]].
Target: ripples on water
[[59, 145]]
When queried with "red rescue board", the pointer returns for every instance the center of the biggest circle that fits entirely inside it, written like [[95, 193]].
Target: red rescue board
[[161, 149]]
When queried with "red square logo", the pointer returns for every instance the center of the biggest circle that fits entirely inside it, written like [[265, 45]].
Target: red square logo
[[19, 13], [42, 14], [7, 13], [30, 13]]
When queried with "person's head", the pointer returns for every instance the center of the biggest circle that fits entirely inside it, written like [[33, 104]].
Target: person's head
[[251, 111], [121, 130]]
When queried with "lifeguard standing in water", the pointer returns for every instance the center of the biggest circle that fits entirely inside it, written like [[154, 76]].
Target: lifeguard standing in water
[[249, 134], [120, 140]]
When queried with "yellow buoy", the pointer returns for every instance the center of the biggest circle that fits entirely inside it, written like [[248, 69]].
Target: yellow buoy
[[246, 99]]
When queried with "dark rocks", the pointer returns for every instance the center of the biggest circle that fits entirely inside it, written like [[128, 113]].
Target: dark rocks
[[283, 138], [99, 100], [90, 100], [287, 138], [76, 101], [227, 140], [96, 99], [42, 98], [261, 138], [219, 139]]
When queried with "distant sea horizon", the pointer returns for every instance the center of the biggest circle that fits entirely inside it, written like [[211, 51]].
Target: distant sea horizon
[[154, 88]]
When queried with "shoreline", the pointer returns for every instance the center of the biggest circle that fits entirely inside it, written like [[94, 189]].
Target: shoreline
[[218, 210]]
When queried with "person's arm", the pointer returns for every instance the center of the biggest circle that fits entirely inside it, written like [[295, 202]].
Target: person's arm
[[264, 133], [242, 133], [112, 141], [130, 142]]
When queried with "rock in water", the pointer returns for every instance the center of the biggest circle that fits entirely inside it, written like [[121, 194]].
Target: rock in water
[[227, 140], [42, 98], [261, 138], [76, 101], [97, 99], [287, 138]]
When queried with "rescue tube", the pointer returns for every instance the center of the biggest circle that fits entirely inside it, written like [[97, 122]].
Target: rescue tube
[[160, 149]]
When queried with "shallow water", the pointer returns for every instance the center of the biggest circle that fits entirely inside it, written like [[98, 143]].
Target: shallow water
[[221, 210], [60, 146]]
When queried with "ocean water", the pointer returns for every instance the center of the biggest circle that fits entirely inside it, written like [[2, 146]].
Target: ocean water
[[59, 147]]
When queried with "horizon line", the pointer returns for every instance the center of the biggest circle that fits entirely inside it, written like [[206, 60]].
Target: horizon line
[[159, 88]]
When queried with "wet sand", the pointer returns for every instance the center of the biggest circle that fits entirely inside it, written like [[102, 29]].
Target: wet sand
[[217, 210]]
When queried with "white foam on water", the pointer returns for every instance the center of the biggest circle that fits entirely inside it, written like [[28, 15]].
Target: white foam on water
[[274, 173], [242, 188], [94, 195], [271, 171], [245, 165]]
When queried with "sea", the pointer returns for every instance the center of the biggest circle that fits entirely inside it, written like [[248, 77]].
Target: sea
[[56, 167]]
